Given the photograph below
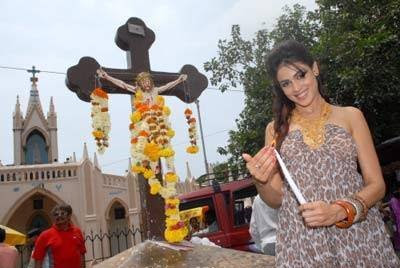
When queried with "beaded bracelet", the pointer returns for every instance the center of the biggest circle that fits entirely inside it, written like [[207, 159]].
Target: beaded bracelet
[[364, 204], [346, 223]]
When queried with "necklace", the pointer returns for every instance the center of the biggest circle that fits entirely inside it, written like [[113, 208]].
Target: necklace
[[313, 130]]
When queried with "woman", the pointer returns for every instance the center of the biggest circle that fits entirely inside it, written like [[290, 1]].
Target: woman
[[320, 144]]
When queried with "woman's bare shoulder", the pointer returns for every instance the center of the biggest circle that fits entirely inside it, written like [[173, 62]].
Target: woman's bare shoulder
[[269, 130], [349, 112], [346, 116], [269, 133]]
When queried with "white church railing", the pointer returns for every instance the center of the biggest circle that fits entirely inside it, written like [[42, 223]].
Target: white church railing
[[10, 174]]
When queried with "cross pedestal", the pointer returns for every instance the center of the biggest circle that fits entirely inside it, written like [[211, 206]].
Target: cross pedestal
[[150, 254]]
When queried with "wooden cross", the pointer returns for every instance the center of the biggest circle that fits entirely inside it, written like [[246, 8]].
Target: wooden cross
[[136, 39]]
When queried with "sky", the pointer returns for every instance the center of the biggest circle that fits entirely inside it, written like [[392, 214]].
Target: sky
[[54, 35]]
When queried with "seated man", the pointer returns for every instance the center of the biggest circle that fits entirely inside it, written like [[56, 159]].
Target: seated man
[[211, 222], [194, 225], [247, 213], [263, 226]]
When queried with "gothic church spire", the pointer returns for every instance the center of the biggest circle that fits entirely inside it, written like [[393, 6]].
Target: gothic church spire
[[34, 99]]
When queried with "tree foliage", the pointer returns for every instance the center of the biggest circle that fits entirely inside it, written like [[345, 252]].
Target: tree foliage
[[359, 50], [357, 46]]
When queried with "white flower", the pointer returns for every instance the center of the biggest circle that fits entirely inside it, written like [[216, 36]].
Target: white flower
[[100, 121]]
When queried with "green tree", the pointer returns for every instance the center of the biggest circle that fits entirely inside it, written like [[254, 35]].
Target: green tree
[[222, 172], [359, 51]]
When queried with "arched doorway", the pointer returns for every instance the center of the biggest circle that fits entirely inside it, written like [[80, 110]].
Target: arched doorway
[[118, 227], [34, 211], [38, 201]]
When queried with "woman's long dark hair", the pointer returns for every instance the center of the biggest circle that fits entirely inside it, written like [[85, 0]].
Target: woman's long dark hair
[[286, 53]]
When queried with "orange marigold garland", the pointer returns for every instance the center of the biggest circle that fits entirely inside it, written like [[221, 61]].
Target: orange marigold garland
[[150, 140], [192, 148], [100, 119]]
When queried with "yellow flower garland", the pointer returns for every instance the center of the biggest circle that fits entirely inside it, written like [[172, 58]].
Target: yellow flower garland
[[192, 148], [152, 151], [167, 152], [136, 116], [138, 169], [150, 140], [155, 187], [176, 230], [171, 206], [148, 174], [171, 177]]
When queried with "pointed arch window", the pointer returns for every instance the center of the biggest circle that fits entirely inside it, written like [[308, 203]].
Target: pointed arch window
[[36, 151], [119, 213]]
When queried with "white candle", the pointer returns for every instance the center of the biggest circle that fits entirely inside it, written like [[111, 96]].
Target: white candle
[[289, 179]]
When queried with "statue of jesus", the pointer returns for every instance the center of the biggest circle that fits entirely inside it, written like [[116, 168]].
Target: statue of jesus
[[143, 82]]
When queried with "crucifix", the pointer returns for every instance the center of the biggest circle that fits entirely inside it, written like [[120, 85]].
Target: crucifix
[[136, 38]]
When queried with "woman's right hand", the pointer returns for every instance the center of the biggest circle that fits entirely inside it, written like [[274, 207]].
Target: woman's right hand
[[263, 165]]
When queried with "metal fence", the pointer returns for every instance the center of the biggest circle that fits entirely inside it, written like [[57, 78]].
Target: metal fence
[[99, 245], [103, 245]]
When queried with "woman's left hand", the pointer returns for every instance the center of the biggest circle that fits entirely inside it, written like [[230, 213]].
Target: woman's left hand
[[320, 213]]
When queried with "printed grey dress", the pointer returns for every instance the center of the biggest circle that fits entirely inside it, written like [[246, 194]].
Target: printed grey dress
[[328, 173]]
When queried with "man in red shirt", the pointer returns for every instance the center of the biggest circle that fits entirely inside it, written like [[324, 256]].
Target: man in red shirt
[[63, 241]]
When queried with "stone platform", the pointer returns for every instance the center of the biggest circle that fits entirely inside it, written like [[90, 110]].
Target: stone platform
[[151, 254]]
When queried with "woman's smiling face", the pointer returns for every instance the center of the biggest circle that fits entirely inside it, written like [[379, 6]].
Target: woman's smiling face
[[298, 82]]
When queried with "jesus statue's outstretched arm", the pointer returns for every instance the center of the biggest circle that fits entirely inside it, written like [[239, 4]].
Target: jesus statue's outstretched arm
[[170, 85], [119, 83]]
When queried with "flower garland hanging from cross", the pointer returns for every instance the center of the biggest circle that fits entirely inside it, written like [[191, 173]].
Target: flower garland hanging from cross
[[151, 134]]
